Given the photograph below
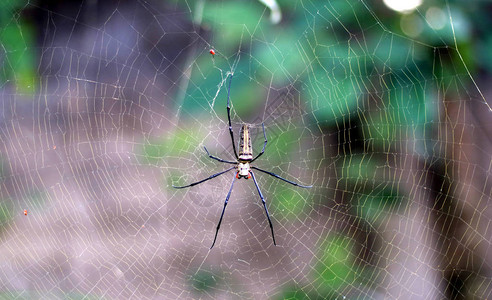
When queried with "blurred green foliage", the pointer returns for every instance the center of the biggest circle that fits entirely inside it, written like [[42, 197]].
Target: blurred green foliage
[[374, 192], [334, 271], [172, 144], [203, 281], [289, 202], [335, 262], [374, 205], [6, 210], [238, 16], [336, 268], [17, 40]]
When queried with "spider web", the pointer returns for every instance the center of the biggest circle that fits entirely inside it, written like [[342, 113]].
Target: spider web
[[106, 106]]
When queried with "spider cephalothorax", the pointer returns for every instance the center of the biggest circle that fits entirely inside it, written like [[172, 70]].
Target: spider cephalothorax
[[242, 165], [243, 170]]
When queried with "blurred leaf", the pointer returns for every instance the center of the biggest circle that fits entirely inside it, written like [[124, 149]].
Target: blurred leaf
[[204, 281], [17, 40], [288, 203], [246, 98], [280, 58], [375, 206], [402, 115], [331, 101], [281, 142], [246, 95], [343, 10], [293, 293], [5, 213], [374, 195], [451, 73], [172, 144], [358, 168], [335, 267], [7, 7], [234, 19], [391, 52], [484, 53]]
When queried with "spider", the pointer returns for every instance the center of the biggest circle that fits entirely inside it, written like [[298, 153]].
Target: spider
[[242, 165]]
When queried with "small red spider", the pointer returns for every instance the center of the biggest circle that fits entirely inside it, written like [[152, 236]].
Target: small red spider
[[212, 51], [25, 212]]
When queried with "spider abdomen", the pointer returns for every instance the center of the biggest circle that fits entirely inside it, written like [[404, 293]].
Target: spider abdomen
[[245, 149]]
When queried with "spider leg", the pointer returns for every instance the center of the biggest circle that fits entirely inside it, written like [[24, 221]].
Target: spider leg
[[203, 180], [223, 210], [218, 159], [276, 176], [229, 116], [264, 145], [264, 205]]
